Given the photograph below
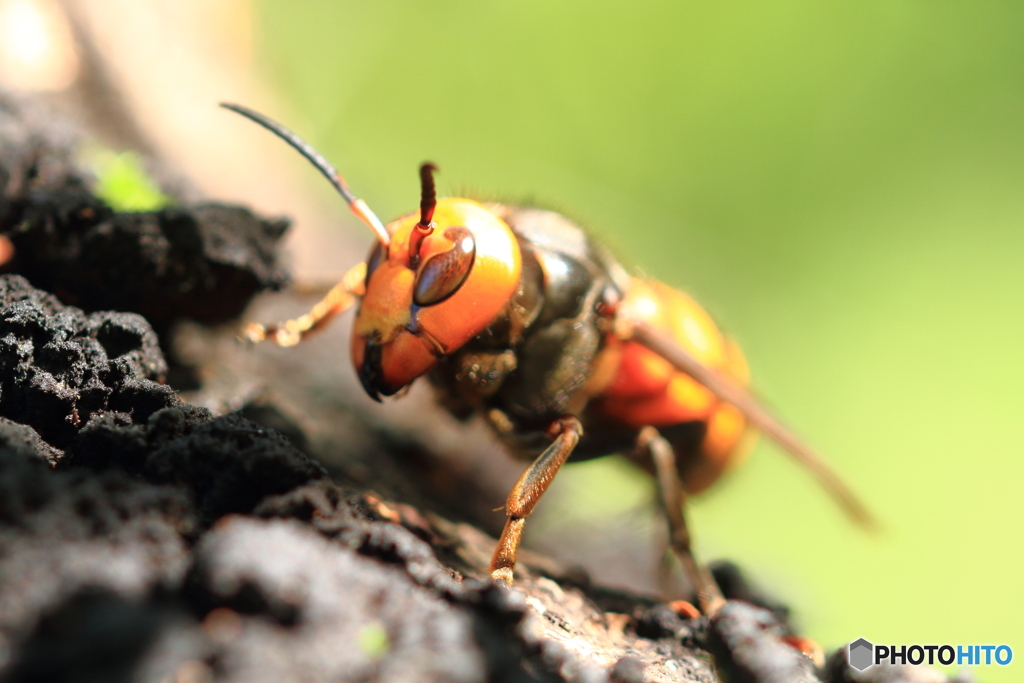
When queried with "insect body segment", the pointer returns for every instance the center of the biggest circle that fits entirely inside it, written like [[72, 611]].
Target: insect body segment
[[647, 390], [515, 314]]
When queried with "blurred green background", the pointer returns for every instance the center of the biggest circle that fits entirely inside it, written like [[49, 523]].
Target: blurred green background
[[840, 184]]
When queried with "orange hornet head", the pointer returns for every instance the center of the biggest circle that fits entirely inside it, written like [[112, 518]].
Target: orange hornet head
[[431, 285], [435, 286]]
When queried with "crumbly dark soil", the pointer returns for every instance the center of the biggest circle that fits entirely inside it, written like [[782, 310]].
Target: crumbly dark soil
[[202, 262], [146, 539]]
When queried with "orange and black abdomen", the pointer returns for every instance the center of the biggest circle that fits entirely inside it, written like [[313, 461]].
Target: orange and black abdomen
[[645, 390]]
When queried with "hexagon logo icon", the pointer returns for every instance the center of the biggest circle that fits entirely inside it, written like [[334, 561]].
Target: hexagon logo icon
[[861, 654]]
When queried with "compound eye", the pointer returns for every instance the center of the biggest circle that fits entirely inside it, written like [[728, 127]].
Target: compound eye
[[441, 275], [377, 256]]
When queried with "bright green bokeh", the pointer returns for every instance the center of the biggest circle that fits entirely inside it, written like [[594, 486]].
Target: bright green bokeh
[[840, 184], [122, 182], [374, 641]]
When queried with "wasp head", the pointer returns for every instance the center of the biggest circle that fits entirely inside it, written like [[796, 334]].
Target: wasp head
[[444, 277]]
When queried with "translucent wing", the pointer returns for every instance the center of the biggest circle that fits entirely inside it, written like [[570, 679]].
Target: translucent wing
[[758, 415]]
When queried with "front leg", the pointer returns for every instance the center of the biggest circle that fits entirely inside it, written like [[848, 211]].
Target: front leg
[[528, 490], [291, 332]]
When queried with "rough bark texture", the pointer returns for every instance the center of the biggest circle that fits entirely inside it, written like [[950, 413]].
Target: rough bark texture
[[145, 539]]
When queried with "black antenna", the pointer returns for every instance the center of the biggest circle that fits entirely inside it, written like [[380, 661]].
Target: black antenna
[[358, 206]]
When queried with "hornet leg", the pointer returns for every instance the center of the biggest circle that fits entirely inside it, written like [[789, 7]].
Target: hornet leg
[[527, 492], [673, 498], [291, 332]]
